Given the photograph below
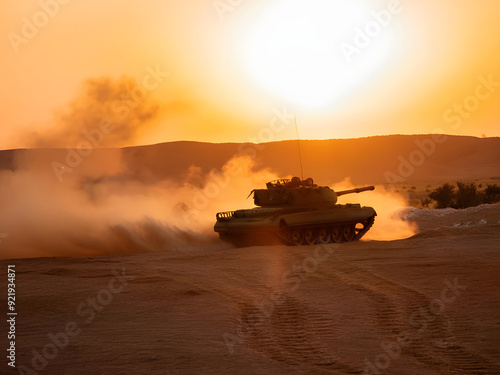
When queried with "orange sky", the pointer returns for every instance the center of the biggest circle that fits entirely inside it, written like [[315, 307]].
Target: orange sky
[[231, 68]]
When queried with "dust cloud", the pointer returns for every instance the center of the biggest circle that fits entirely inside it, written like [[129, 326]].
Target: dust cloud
[[91, 214], [388, 225], [101, 208], [120, 108]]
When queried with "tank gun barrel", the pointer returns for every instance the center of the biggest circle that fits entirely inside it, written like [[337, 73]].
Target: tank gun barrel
[[357, 190]]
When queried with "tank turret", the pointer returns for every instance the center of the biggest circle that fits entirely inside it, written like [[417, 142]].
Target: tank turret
[[296, 212], [297, 193]]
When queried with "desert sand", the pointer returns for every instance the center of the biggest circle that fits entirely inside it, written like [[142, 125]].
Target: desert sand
[[428, 304]]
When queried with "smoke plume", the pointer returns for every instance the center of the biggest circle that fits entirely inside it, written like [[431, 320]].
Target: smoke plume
[[101, 207], [388, 226], [106, 211], [117, 109]]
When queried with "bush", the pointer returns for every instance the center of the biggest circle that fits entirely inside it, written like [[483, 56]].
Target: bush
[[444, 196], [467, 195], [491, 194]]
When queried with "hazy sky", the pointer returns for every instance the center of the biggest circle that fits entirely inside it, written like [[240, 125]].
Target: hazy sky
[[222, 71]]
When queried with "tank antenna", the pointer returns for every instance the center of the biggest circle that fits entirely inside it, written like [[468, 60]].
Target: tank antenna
[[298, 144]]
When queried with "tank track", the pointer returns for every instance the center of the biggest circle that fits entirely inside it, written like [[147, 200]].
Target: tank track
[[367, 225], [324, 233]]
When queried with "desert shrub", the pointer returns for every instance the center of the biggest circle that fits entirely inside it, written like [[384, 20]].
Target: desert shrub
[[444, 196], [491, 194], [467, 195]]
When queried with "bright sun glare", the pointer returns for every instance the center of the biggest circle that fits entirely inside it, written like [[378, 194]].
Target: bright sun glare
[[293, 49]]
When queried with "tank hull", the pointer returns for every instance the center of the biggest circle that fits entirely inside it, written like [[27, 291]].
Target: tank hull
[[295, 226]]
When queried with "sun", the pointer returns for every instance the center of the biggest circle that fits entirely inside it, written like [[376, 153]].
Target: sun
[[305, 51]]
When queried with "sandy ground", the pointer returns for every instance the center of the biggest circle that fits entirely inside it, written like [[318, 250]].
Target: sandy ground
[[429, 304]]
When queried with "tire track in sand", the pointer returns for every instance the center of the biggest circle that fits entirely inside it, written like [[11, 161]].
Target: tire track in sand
[[291, 335], [392, 308]]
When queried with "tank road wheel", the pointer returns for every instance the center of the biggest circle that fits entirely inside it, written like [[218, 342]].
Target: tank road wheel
[[310, 236], [337, 234], [324, 236], [349, 233], [297, 237]]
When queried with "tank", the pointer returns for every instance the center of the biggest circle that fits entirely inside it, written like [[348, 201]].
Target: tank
[[296, 212]]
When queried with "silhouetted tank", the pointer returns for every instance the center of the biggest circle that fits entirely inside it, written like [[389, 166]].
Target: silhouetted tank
[[297, 212]]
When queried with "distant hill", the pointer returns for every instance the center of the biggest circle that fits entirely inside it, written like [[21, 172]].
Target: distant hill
[[408, 159]]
